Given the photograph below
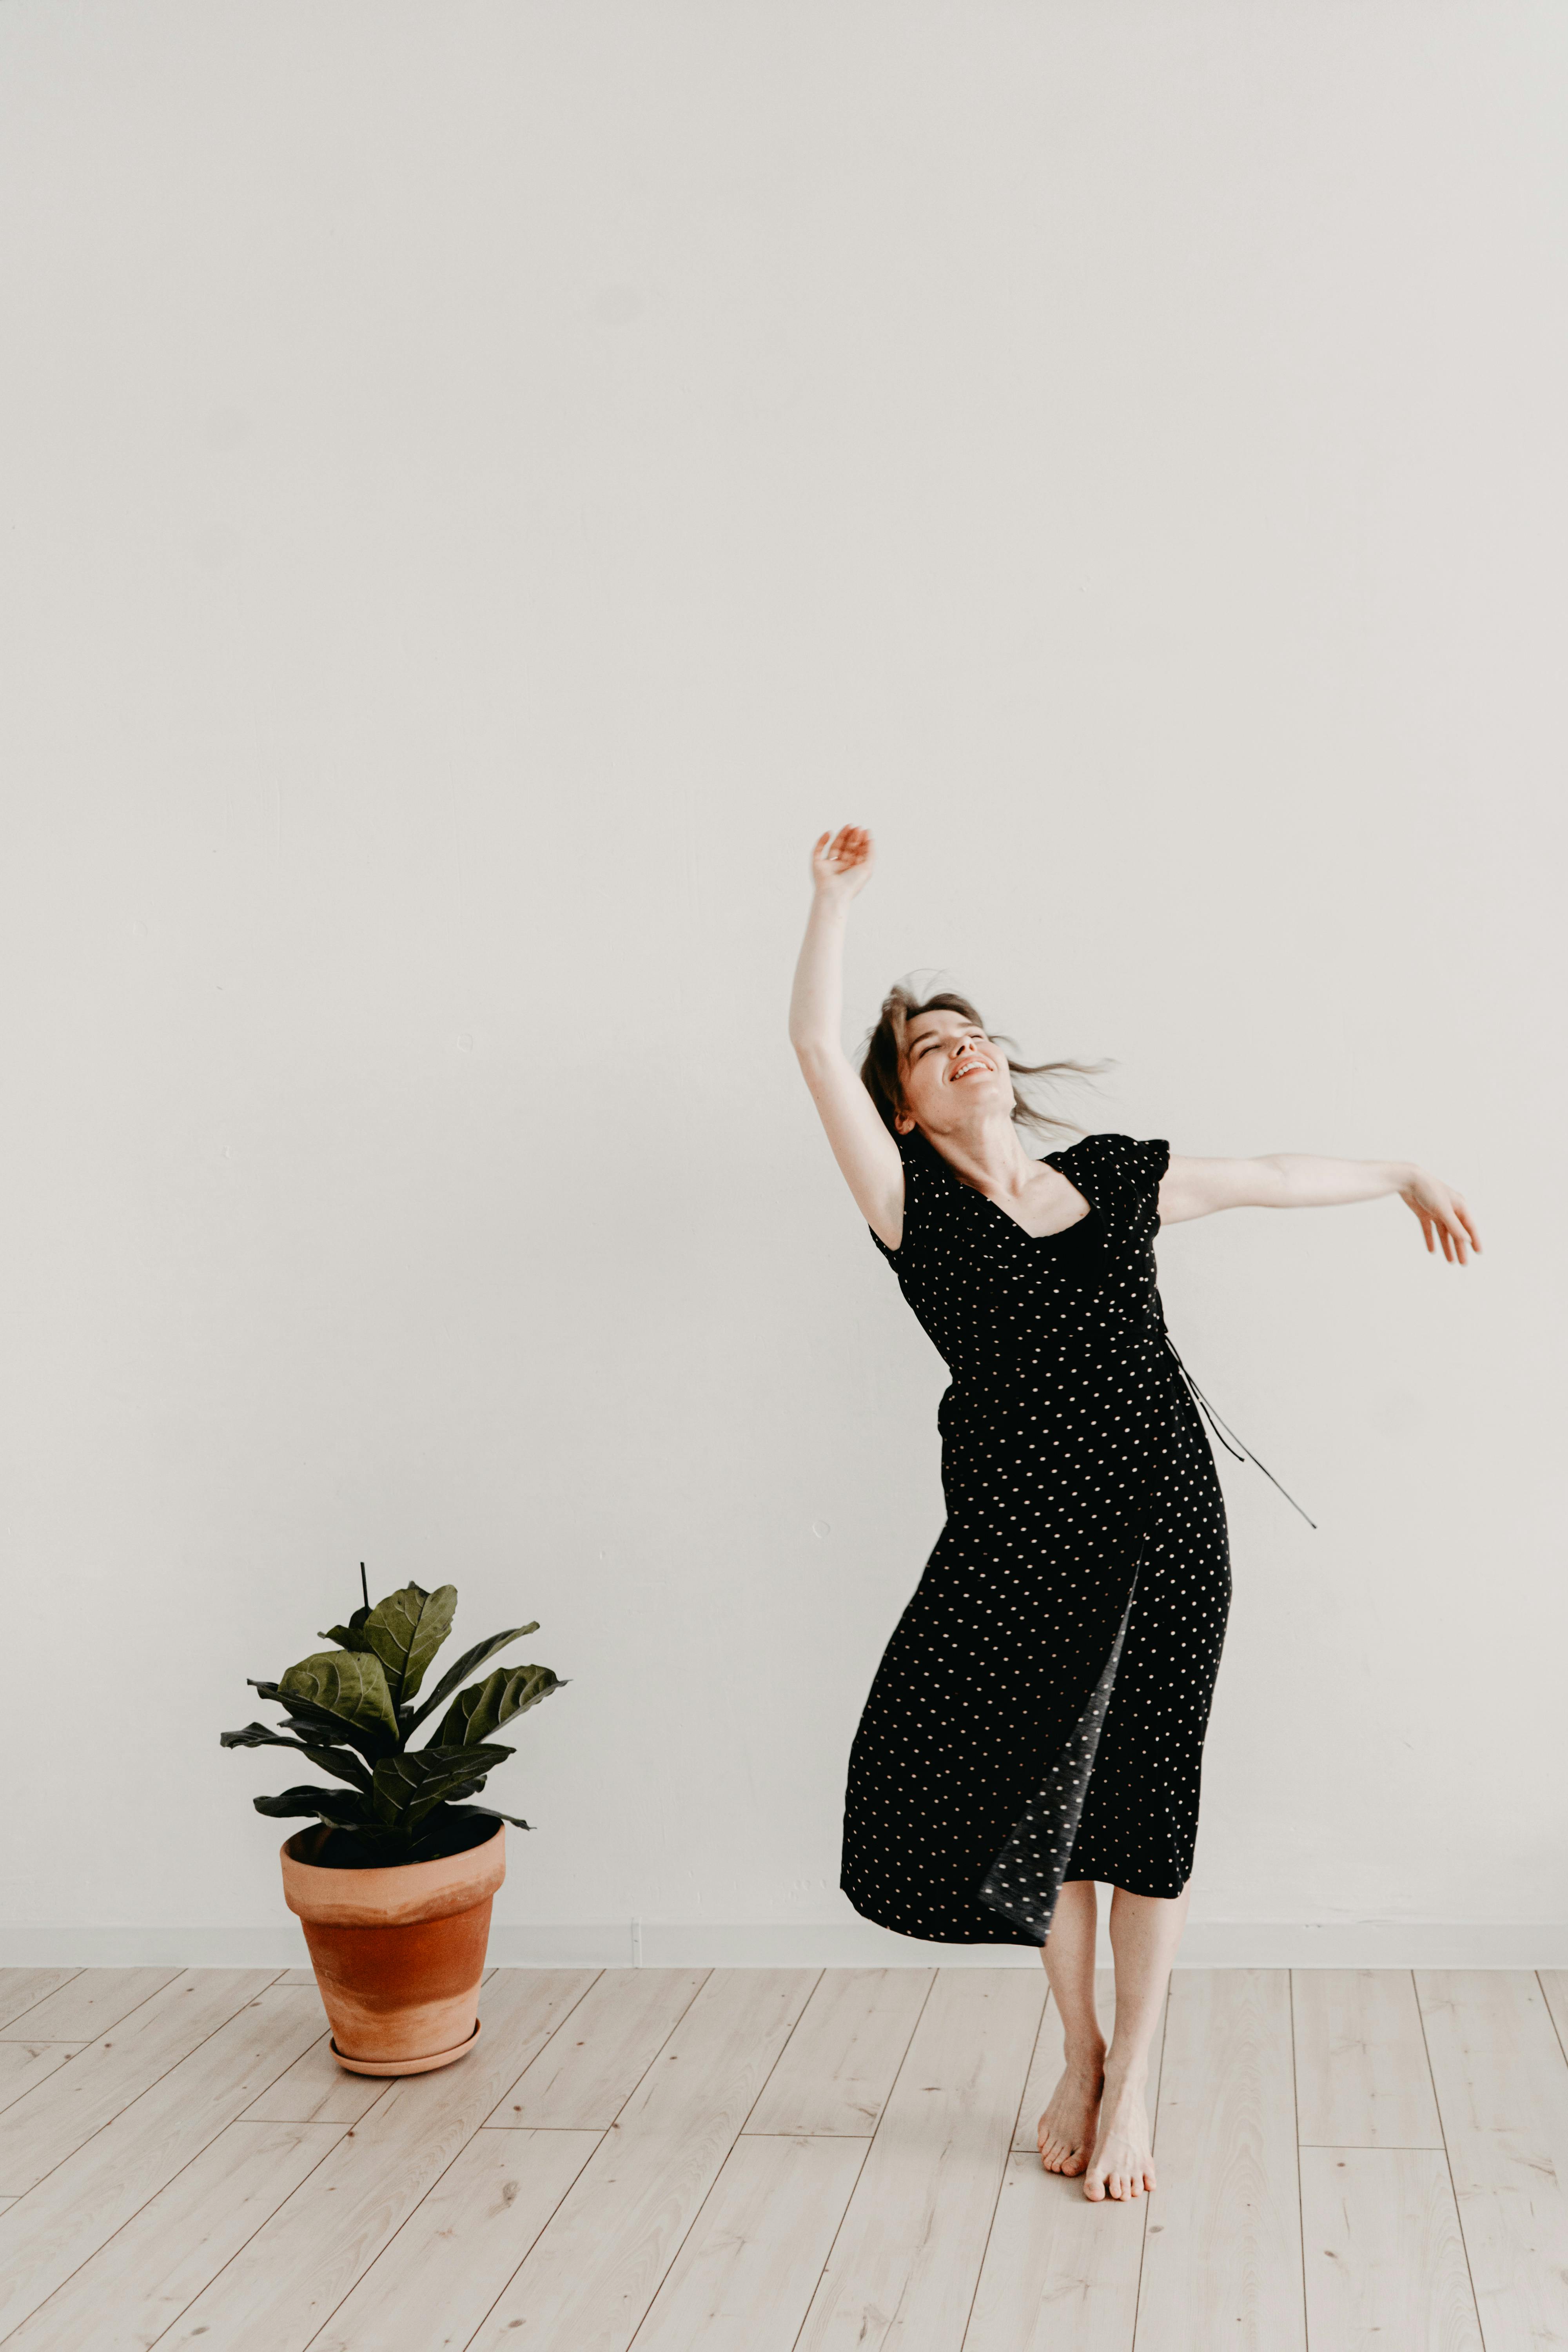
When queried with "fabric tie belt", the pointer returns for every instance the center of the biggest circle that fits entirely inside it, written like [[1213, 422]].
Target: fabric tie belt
[[1235, 1446]]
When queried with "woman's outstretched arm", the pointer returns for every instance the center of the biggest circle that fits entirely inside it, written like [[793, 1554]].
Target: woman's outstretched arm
[[841, 868], [1298, 1180]]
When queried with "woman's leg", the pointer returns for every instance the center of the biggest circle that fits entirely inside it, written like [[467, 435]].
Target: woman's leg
[[1144, 1932], [1067, 2127]]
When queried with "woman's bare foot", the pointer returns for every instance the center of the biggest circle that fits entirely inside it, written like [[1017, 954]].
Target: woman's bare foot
[[1123, 2165], [1067, 2127]]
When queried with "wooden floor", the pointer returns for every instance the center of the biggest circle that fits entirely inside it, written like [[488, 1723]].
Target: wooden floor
[[780, 2160]]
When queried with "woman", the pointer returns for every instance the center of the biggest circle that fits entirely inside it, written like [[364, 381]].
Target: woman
[[1038, 1720]]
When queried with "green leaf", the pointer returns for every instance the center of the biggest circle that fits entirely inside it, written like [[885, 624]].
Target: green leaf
[[370, 1741], [484, 1706], [464, 1666], [341, 1807], [409, 1786], [405, 1631], [349, 1634], [339, 1760], [349, 1684], [515, 1819]]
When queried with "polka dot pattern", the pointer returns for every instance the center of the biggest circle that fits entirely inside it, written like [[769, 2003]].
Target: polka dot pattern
[[1039, 1712]]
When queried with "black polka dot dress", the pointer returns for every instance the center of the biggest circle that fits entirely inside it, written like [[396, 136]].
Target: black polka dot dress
[[1039, 1712]]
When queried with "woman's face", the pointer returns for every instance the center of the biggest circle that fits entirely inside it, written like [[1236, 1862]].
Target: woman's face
[[951, 1074]]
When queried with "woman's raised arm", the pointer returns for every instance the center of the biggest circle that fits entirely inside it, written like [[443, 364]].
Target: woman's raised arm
[[1298, 1180], [841, 868]]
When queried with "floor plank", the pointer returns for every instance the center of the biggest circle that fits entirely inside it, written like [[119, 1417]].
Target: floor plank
[[437, 2279], [293, 2274], [138, 2284], [22, 1989], [596, 2269], [585, 2073], [95, 2190], [908, 2258], [317, 2090], [1222, 2257], [1047, 2062], [1553, 1983], [1502, 2093], [744, 2278], [23, 2063], [56, 2116], [1059, 2271], [93, 2002], [844, 2053], [1385, 2262], [1362, 2075], [731, 2037]]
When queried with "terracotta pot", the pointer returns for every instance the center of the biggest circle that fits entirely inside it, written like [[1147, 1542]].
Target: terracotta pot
[[398, 1953]]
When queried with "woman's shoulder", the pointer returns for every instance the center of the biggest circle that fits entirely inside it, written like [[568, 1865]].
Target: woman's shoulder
[[1120, 1163], [929, 1184], [925, 1170], [1124, 1150]]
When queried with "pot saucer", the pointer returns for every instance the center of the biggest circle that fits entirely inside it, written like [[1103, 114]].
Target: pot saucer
[[406, 2065]]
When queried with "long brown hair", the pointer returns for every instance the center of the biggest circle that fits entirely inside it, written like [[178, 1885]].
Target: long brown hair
[[880, 1072]]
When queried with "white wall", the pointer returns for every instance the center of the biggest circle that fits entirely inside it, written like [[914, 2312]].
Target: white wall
[[484, 484]]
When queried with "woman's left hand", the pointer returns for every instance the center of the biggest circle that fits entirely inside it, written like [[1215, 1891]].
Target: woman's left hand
[[1445, 1220]]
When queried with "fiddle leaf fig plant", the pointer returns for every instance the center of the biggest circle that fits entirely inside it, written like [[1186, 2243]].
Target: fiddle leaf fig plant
[[351, 1712]]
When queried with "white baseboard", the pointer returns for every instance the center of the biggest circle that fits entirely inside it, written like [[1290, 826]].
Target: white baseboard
[[278, 1945], [1208, 1944], [844, 1944]]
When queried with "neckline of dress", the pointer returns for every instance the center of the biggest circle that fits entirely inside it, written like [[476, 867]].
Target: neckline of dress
[[1060, 1233], [1046, 1160]]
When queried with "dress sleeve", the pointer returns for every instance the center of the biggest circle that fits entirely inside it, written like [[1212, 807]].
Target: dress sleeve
[[1150, 1163], [1121, 1176], [1144, 1165]]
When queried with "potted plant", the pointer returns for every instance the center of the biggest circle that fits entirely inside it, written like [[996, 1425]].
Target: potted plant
[[395, 1883]]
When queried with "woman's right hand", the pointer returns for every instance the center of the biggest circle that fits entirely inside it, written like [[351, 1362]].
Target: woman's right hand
[[841, 864]]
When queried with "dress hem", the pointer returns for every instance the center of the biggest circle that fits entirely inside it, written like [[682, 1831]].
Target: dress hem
[[1017, 1937]]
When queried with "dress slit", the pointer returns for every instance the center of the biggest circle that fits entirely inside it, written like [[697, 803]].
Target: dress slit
[[1025, 1879]]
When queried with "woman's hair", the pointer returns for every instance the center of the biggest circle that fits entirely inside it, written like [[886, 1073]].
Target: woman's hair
[[880, 1072]]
